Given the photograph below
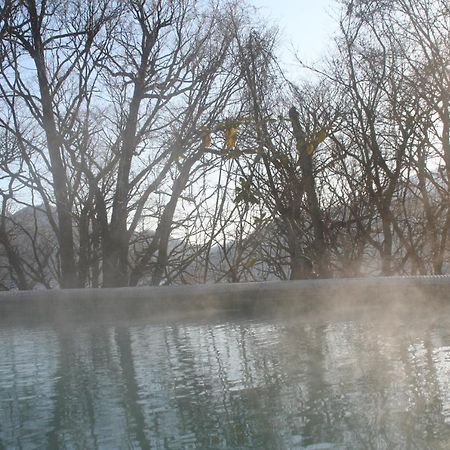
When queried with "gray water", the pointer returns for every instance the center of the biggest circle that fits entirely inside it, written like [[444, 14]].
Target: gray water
[[367, 379]]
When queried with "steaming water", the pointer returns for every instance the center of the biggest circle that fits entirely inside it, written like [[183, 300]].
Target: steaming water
[[355, 380]]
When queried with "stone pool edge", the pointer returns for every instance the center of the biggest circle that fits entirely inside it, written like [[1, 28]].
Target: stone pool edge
[[221, 297]]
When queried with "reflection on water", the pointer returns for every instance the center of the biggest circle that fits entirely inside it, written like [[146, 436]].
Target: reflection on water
[[353, 382]]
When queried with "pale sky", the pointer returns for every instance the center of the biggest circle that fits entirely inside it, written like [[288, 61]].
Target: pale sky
[[306, 26]]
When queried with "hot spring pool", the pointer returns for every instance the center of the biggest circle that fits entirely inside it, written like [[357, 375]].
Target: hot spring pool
[[365, 377]]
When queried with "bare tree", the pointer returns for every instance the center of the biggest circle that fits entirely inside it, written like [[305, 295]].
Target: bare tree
[[55, 41]]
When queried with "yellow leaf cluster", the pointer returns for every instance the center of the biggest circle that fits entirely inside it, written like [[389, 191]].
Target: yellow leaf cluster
[[206, 138], [230, 137], [321, 136], [230, 129], [317, 139]]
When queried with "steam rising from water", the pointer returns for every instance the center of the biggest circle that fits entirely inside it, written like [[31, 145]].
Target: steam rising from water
[[345, 376]]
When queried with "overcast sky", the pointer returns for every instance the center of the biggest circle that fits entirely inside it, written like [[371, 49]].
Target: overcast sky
[[306, 26]]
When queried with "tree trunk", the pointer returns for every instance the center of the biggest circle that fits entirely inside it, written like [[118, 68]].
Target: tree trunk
[[301, 268], [115, 268], [313, 202], [60, 185], [165, 224], [15, 264], [386, 252], [83, 258]]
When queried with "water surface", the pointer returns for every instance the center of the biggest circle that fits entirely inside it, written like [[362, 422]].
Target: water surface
[[367, 379]]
